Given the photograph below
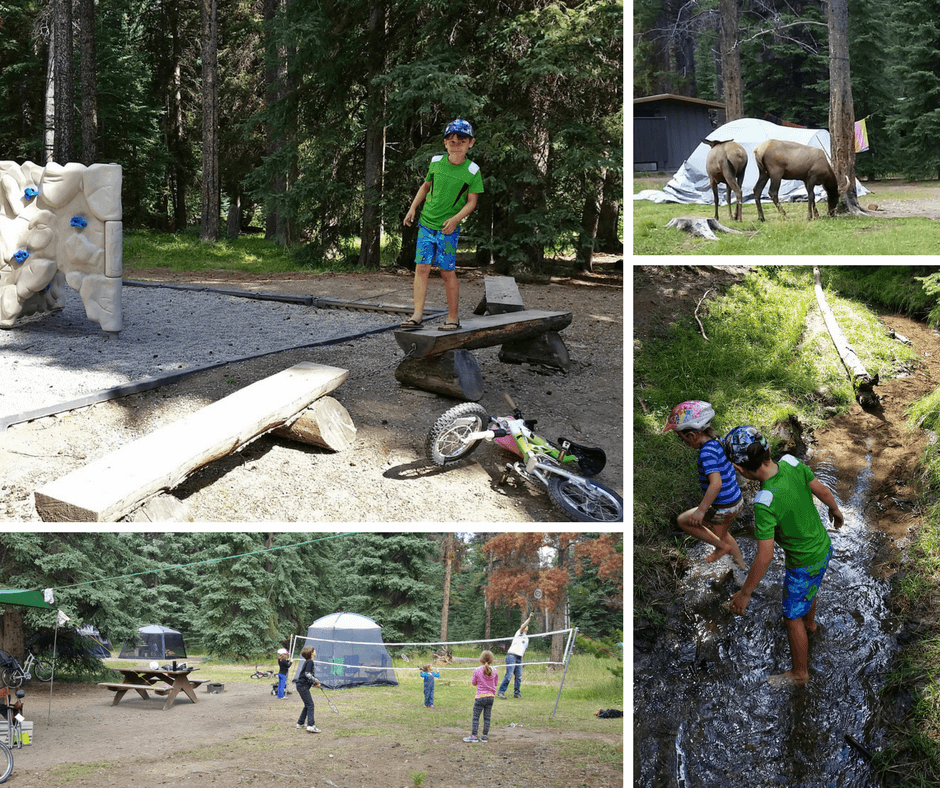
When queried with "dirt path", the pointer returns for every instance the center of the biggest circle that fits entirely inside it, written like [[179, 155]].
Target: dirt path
[[245, 736], [384, 477]]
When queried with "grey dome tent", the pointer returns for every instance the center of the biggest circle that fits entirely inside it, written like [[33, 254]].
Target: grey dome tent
[[360, 661], [154, 642], [690, 184]]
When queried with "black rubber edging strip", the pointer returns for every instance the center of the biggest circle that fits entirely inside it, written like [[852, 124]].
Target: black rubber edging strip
[[127, 389], [315, 301]]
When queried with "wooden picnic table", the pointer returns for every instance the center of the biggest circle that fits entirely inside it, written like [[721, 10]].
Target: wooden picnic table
[[159, 681]]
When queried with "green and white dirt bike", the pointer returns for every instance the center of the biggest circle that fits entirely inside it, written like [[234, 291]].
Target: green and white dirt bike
[[562, 467]]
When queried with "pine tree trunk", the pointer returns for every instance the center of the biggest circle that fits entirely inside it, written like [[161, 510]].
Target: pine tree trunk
[[374, 177], [209, 229], [89, 82], [590, 217], [608, 235], [731, 60], [63, 150], [48, 137], [178, 179], [488, 606], [447, 548], [841, 108]]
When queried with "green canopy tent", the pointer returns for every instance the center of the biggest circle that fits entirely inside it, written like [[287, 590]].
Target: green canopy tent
[[41, 600]]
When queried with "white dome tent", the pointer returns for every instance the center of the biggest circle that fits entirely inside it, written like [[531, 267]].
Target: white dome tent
[[350, 652], [690, 183]]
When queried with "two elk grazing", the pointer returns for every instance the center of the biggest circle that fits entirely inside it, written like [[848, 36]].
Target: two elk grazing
[[725, 164], [779, 159]]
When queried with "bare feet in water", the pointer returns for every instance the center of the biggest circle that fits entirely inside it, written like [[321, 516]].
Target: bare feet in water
[[720, 552], [788, 679]]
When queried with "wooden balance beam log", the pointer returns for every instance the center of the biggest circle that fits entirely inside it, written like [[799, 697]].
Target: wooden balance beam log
[[110, 487], [440, 361]]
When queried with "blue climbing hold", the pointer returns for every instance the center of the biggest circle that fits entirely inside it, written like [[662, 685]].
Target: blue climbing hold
[[21, 256], [31, 192], [78, 221]]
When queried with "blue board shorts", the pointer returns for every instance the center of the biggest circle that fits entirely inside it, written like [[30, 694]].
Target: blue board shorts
[[800, 586], [435, 248]]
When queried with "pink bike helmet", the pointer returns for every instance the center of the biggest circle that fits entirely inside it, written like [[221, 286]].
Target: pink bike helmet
[[690, 415]]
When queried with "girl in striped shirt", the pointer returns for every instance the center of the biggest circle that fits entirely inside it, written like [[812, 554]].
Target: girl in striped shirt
[[721, 500]]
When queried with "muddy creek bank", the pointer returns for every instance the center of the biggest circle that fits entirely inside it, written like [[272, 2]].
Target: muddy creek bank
[[704, 712]]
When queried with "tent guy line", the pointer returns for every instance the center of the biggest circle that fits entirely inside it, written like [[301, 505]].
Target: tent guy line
[[207, 561]]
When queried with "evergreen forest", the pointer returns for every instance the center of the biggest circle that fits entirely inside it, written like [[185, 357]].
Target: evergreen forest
[[242, 595], [313, 122], [894, 56]]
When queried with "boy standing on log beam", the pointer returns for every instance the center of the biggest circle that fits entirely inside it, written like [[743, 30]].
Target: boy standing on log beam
[[784, 512], [449, 194]]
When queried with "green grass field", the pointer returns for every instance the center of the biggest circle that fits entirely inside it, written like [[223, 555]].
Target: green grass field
[[790, 235]]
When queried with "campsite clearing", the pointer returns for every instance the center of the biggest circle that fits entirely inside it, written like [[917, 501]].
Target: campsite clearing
[[382, 735], [902, 221]]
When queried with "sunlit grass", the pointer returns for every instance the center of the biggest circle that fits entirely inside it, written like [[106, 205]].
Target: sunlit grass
[[790, 235]]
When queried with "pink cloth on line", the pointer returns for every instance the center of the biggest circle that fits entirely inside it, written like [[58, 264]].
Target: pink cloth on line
[[486, 685]]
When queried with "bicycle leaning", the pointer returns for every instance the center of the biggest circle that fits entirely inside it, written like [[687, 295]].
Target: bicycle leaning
[[13, 674], [458, 431]]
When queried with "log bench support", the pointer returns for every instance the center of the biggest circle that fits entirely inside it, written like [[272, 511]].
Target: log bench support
[[440, 361], [114, 485]]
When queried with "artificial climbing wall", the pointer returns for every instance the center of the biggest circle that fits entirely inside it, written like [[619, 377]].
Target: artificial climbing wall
[[60, 224]]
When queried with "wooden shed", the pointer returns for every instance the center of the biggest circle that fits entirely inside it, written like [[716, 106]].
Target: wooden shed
[[667, 128]]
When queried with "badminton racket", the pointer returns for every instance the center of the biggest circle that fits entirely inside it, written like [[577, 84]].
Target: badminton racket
[[332, 707]]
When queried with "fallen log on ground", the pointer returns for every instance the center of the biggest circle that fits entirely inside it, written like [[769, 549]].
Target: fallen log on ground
[[862, 383], [326, 424]]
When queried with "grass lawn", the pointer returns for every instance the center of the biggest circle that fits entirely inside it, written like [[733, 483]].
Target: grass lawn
[[790, 235]]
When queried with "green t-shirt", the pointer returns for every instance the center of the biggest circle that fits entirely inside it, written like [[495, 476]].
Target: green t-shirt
[[784, 510], [450, 185]]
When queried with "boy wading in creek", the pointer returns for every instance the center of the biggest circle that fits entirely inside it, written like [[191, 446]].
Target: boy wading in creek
[[784, 512]]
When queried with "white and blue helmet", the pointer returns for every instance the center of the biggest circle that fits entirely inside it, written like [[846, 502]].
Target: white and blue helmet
[[738, 441], [459, 127]]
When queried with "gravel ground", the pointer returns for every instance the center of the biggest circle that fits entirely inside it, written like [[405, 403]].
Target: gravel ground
[[385, 476], [56, 359]]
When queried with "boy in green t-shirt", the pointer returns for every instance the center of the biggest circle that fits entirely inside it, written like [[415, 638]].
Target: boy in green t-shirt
[[784, 512], [449, 193]]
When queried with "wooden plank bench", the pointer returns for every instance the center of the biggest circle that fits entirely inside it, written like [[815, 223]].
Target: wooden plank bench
[[484, 331], [441, 361], [142, 689], [110, 487]]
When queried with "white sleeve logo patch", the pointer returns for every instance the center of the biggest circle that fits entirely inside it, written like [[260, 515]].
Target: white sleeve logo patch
[[474, 168], [437, 158], [789, 459], [765, 497]]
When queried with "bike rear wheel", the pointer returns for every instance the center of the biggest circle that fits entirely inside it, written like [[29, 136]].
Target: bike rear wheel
[[42, 670], [446, 444], [586, 500], [11, 678], [6, 762]]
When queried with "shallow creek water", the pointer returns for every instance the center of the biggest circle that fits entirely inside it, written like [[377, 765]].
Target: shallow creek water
[[705, 715]]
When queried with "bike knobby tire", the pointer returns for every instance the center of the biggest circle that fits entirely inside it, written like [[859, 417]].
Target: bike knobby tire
[[42, 670], [445, 443], [12, 678], [6, 762], [586, 500]]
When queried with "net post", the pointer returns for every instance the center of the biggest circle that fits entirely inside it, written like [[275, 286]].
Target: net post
[[568, 649]]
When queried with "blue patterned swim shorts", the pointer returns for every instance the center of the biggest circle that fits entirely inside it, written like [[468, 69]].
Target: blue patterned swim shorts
[[435, 248], [800, 587]]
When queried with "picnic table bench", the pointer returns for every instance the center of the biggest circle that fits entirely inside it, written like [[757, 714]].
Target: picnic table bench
[[441, 361], [159, 681]]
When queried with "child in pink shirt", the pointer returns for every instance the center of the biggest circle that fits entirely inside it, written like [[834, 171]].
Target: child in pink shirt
[[485, 679]]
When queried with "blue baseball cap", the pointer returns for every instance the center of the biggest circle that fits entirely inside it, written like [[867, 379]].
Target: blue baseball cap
[[459, 127]]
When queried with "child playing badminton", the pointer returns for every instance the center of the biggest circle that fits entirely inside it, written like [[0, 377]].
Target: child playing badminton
[[484, 679], [721, 497], [784, 511], [305, 680], [429, 675], [283, 665]]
